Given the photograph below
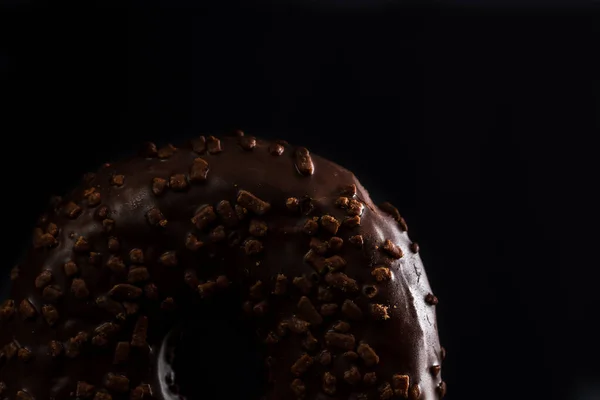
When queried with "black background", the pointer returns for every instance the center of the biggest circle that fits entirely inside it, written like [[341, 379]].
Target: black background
[[477, 122]]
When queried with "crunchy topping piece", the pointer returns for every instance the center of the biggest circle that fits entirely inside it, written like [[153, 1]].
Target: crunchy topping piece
[[431, 299], [143, 391], [370, 378], [25, 354], [342, 327], [55, 348], [178, 182], [117, 383], [166, 151], [388, 208], [26, 309], [317, 262], [192, 243], [302, 364], [252, 247], [351, 310], [240, 211], [207, 289], [258, 228], [84, 390], [370, 291], [292, 203], [218, 234], [43, 279], [306, 205], [138, 338], [81, 245], [159, 185], [102, 213], [352, 376], [379, 312], [385, 391], [199, 145], [329, 382], [247, 142], [93, 199], [435, 370], [213, 145], [191, 279], [121, 353], [342, 202], [22, 395], [72, 210], [138, 274], [368, 355], [354, 207], [204, 217], [318, 246], [41, 239], [350, 355], [324, 294], [414, 393], [414, 247], [136, 256], [341, 281], [227, 213], [109, 305], [252, 203], [148, 150], [117, 180], [50, 314], [222, 281], [311, 226], [276, 149], [330, 224], [125, 291], [336, 243], [52, 229], [167, 304], [391, 249], [308, 311], [116, 264], [382, 274], [199, 170], [130, 308], [400, 384], [441, 389], [102, 396], [298, 388], [335, 263], [280, 284], [303, 284], [256, 290], [79, 288], [168, 259], [156, 218], [348, 190], [74, 344], [352, 222], [304, 162], [108, 225], [329, 309], [297, 325], [10, 350], [309, 342], [343, 341], [52, 293]]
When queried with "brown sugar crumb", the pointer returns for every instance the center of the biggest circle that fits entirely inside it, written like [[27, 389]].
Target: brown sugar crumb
[[22, 395], [159, 185], [141, 392], [329, 309], [93, 199], [431, 299], [138, 338], [84, 390], [198, 144], [252, 203], [385, 391], [138, 274], [72, 210], [258, 228], [442, 389], [276, 149], [309, 342], [292, 203], [121, 353], [414, 247], [79, 288], [343, 341], [102, 212], [352, 376], [55, 348], [136, 256], [400, 384], [247, 142], [41, 239], [199, 170], [227, 213], [354, 207], [70, 268], [304, 162], [336, 243], [297, 325], [204, 217], [414, 393], [435, 370], [342, 202], [252, 247], [391, 249], [43, 279], [311, 226], [308, 311], [218, 234], [335, 263], [352, 222], [302, 364], [117, 383], [166, 151], [102, 396], [370, 378], [117, 180], [25, 354], [207, 289], [341, 326], [52, 229], [26, 309], [382, 274], [156, 218], [50, 314], [329, 383], [324, 357], [168, 259], [318, 246], [125, 291], [348, 190], [303, 284], [81, 245], [192, 243], [280, 285], [178, 182], [52, 293], [213, 145], [341, 281], [379, 312], [324, 294], [368, 355], [370, 291], [298, 388], [73, 345], [330, 224], [351, 310], [115, 264]]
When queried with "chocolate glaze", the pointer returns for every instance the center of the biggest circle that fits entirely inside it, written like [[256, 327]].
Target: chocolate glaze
[[233, 300]]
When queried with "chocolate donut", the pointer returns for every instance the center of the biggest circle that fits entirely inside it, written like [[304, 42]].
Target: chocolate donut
[[223, 268]]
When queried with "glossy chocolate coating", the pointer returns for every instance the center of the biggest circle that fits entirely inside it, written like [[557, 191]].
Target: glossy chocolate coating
[[187, 295]]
